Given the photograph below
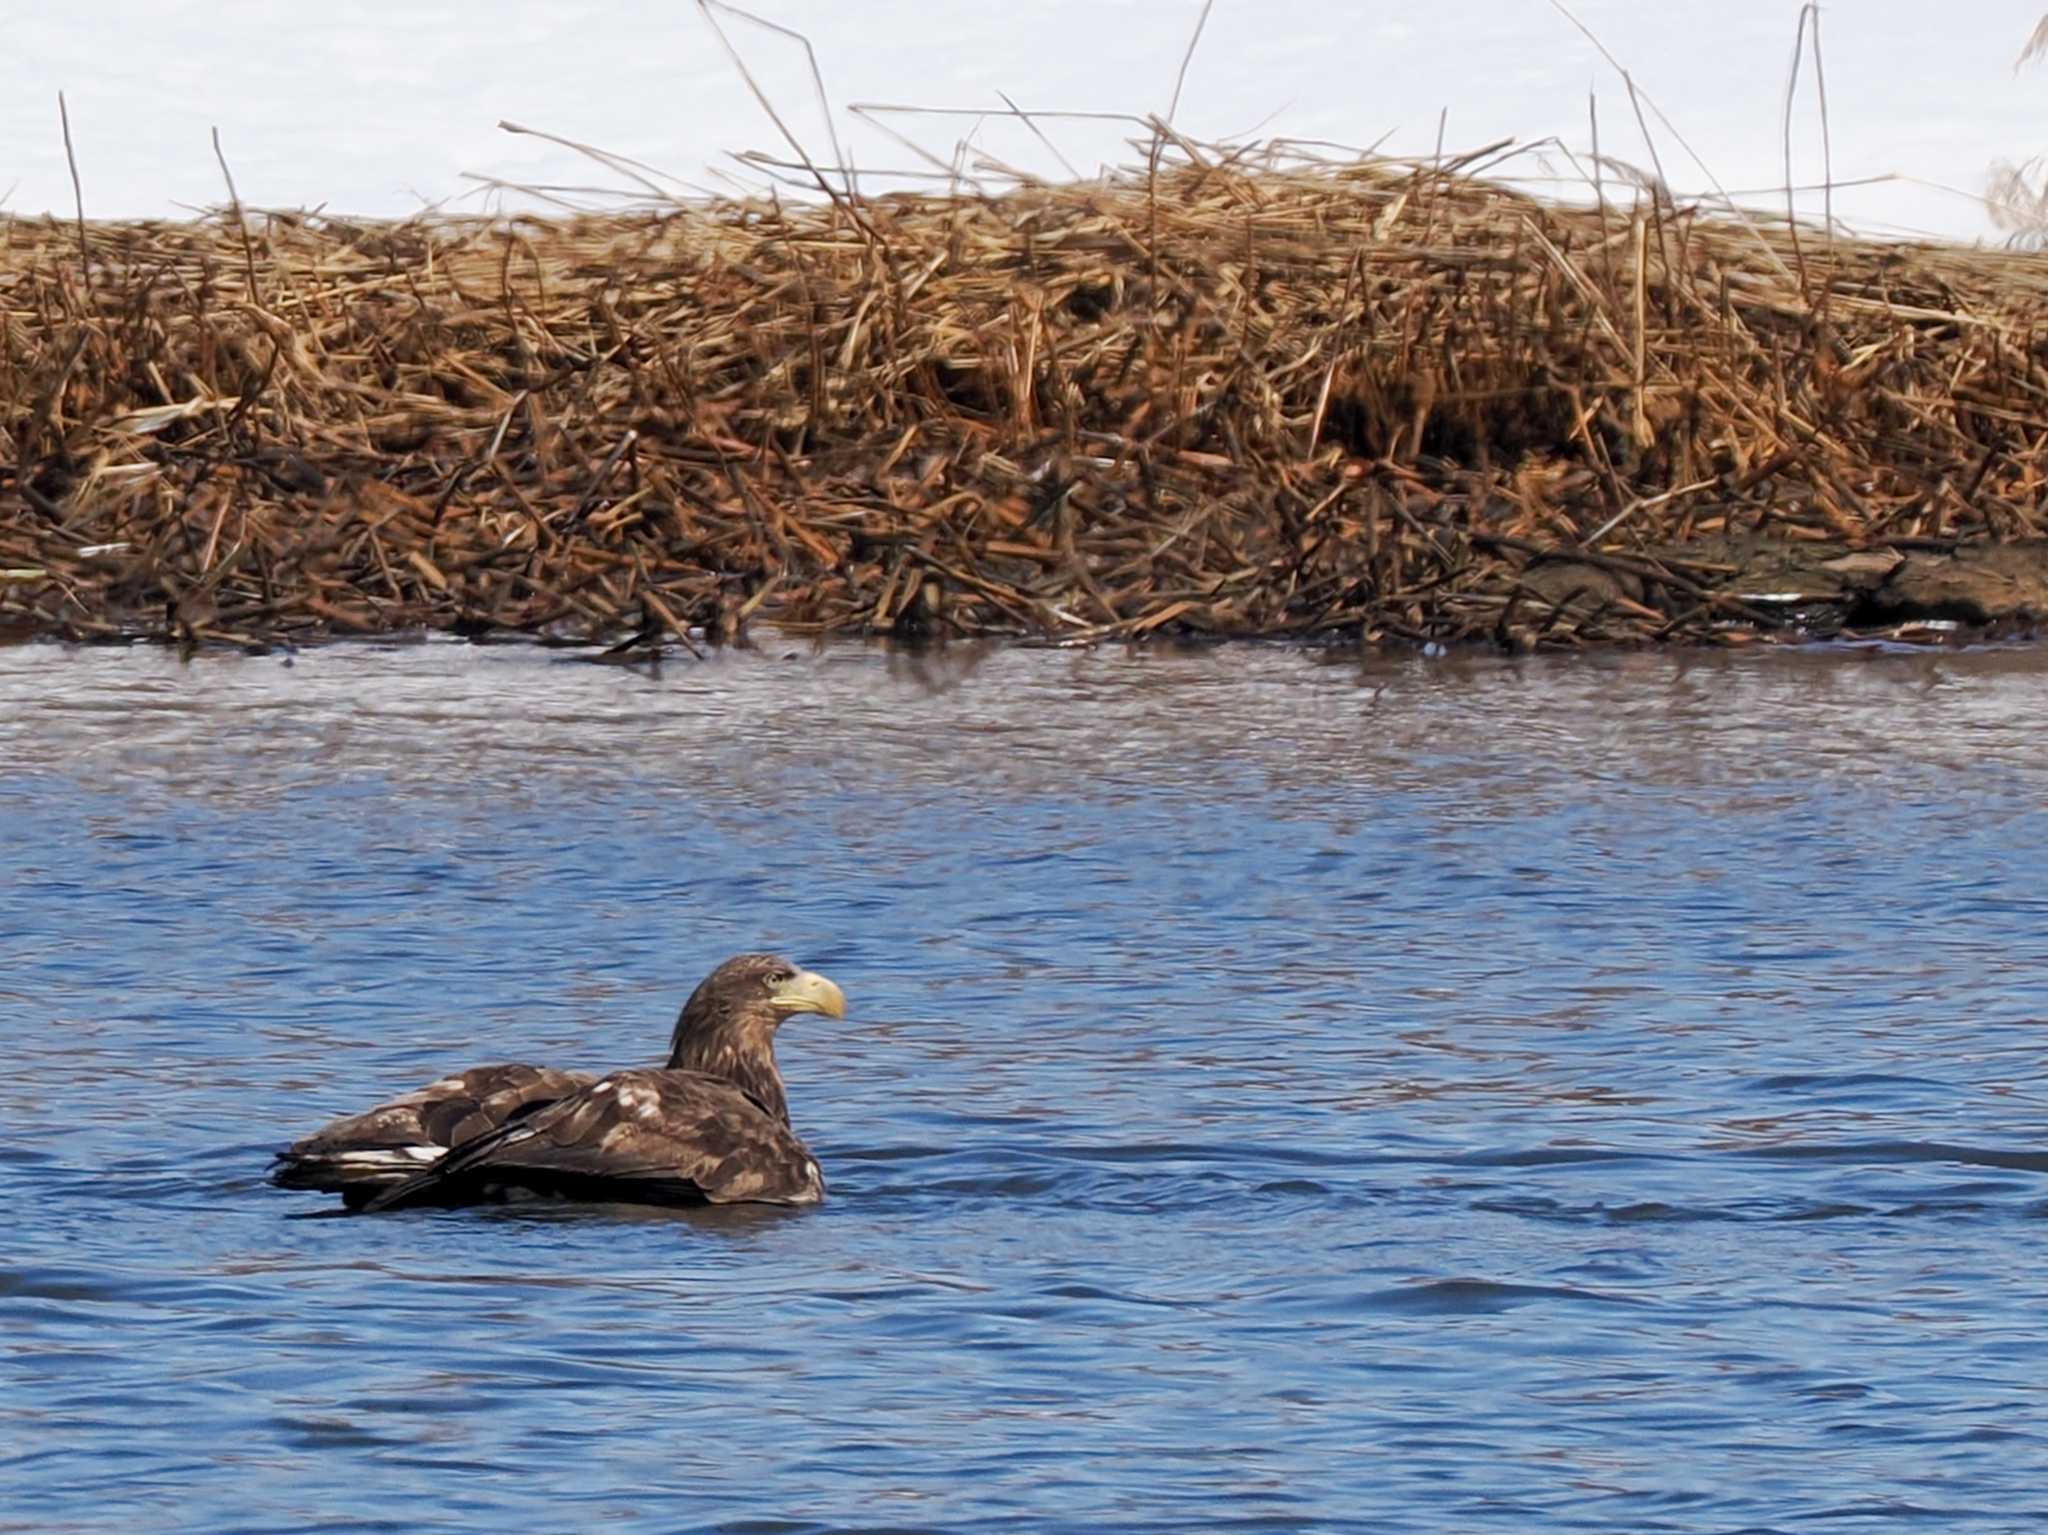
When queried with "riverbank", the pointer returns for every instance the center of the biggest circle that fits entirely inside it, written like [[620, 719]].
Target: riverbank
[[1379, 401]]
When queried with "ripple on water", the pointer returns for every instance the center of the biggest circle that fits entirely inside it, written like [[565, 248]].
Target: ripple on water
[[1281, 1094]]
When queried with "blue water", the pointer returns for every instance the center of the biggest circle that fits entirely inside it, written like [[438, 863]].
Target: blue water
[[1279, 1094]]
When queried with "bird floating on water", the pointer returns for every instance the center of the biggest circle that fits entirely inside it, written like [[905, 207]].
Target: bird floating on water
[[711, 1126]]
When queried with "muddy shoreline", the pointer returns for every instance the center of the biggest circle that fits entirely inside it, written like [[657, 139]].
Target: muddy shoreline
[[1923, 589], [1750, 590]]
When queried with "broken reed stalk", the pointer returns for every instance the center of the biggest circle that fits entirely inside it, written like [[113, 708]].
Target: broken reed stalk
[[241, 223], [1230, 394], [77, 191]]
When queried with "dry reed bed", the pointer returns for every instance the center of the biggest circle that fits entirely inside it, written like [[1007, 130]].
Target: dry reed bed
[[1217, 401]]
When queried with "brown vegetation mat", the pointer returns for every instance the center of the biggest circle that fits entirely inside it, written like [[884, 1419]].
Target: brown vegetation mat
[[1392, 402]]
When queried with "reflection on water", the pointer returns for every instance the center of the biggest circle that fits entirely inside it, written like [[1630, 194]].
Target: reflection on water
[[1279, 1092]]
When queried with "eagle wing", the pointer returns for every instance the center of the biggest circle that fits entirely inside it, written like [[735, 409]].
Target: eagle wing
[[657, 1136], [361, 1154]]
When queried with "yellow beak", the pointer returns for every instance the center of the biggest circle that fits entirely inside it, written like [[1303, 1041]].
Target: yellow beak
[[809, 992]]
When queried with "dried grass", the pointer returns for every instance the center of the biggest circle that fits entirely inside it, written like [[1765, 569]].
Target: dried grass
[[1224, 398]]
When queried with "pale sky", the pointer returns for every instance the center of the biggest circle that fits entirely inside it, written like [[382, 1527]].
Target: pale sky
[[380, 108]]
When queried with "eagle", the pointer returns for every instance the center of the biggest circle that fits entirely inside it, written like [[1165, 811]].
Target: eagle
[[711, 1126]]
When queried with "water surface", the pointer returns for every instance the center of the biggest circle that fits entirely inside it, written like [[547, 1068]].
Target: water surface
[[1281, 1093]]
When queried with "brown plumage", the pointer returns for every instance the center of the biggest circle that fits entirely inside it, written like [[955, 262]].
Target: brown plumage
[[712, 1126], [361, 1155]]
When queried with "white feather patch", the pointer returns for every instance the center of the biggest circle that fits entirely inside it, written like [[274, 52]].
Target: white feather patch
[[387, 1156], [638, 1101]]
